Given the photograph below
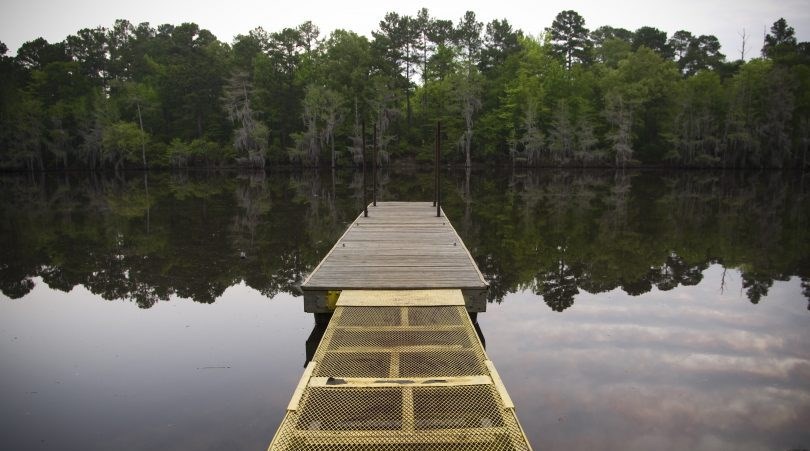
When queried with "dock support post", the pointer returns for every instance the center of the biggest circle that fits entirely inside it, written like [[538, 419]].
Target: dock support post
[[438, 196], [365, 201], [374, 171]]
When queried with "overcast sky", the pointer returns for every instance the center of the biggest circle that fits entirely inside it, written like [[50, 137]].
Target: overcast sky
[[24, 20]]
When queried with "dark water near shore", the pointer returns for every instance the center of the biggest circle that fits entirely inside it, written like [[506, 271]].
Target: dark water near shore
[[629, 310]]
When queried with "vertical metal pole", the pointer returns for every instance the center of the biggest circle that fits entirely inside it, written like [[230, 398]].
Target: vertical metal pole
[[438, 160], [365, 201], [374, 171], [436, 167]]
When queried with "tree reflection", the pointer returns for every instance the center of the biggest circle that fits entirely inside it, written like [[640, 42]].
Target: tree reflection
[[756, 286], [558, 286], [91, 231], [806, 290], [634, 230], [676, 271], [149, 236]]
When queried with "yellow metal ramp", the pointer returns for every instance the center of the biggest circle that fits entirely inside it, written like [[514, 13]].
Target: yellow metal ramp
[[400, 370]]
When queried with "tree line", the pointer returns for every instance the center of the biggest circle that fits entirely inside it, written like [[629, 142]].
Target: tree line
[[138, 96]]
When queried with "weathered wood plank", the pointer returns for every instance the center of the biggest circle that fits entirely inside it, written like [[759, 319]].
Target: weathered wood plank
[[400, 245]]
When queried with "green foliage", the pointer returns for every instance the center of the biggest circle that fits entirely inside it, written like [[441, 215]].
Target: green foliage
[[198, 152], [646, 84], [346, 60], [697, 137], [652, 38], [561, 99], [781, 40], [121, 142], [570, 38]]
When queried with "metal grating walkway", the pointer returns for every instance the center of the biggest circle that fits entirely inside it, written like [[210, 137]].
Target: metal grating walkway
[[400, 370]]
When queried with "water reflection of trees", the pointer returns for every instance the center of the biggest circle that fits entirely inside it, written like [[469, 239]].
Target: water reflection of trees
[[92, 231], [558, 233]]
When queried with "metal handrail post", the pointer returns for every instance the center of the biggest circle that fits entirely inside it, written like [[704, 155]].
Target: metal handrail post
[[374, 170], [438, 161], [435, 167], [365, 201]]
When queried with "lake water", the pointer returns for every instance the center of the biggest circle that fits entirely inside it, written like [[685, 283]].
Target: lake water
[[628, 310]]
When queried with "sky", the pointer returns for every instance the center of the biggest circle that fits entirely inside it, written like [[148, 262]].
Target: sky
[[23, 21]]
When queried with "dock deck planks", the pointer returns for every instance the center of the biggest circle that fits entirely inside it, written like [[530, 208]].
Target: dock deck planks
[[400, 245]]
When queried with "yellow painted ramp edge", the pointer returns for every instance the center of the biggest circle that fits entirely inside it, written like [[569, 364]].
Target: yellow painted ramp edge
[[400, 298]]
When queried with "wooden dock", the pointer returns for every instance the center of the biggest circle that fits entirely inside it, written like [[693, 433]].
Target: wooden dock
[[400, 370], [399, 246], [400, 365]]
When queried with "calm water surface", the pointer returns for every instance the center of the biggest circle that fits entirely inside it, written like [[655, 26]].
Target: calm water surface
[[629, 311]]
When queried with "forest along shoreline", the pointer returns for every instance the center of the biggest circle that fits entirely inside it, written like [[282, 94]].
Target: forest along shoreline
[[175, 96]]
